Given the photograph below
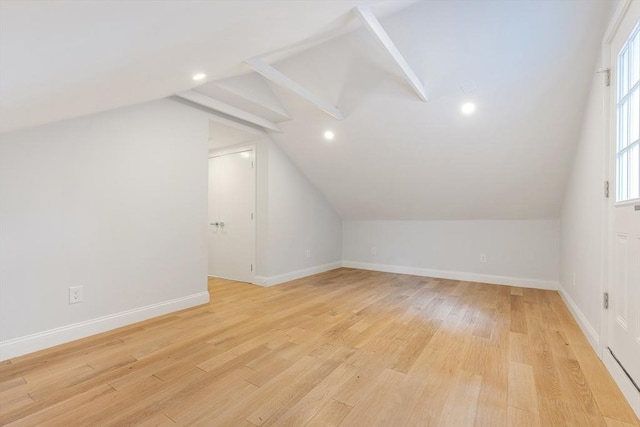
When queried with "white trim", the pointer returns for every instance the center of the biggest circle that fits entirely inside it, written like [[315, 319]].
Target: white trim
[[234, 149], [41, 340], [276, 106], [588, 330], [621, 379], [616, 19], [456, 275], [280, 79], [373, 25], [627, 203], [218, 117], [214, 104], [293, 275]]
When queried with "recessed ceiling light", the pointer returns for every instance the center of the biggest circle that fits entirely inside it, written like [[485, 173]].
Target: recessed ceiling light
[[199, 76], [329, 135], [468, 108]]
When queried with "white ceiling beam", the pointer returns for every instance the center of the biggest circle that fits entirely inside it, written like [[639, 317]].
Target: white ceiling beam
[[239, 126], [374, 27], [227, 109], [280, 79], [223, 119], [254, 88]]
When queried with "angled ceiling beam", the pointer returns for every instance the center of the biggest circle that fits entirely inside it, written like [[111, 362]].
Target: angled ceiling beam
[[240, 126], [374, 27], [227, 109], [224, 119], [280, 79], [254, 88]]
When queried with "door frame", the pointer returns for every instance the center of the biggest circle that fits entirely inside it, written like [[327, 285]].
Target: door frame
[[608, 231], [233, 150]]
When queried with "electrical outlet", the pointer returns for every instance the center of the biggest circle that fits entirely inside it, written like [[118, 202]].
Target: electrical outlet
[[308, 253], [483, 258], [75, 294], [374, 250]]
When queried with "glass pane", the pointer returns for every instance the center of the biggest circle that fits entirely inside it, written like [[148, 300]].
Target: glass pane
[[623, 116], [634, 172], [623, 64], [634, 115], [622, 176]]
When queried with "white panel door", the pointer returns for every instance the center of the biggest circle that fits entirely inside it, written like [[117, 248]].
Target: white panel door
[[231, 216], [624, 283]]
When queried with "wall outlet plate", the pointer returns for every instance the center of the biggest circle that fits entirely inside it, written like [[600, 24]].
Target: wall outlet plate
[[483, 258], [75, 294]]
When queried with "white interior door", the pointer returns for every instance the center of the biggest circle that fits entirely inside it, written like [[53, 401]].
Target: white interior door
[[623, 319], [232, 216]]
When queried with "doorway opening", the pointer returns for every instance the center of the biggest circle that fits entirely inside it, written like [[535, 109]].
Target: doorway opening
[[231, 214]]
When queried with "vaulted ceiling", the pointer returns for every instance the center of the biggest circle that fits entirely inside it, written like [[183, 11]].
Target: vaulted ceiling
[[527, 66]]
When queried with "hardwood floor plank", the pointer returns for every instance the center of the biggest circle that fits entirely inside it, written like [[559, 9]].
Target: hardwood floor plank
[[493, 397], [378, 403], [519, 350], [616, 423], [207, 403], [313, 402], [330, 414], [609, 398], [520, 418], [461, 405], [345, 347], [518, 314], [522, 387]]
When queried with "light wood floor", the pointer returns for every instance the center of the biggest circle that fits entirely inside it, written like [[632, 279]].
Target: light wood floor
[[347, 347]]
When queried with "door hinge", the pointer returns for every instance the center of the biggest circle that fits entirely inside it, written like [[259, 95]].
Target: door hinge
[[251, 215], [607, 75], [251, 165], [605, 300], [606, 189], [252, 267]]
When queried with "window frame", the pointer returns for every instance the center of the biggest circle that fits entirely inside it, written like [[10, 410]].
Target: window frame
[[624, 94]]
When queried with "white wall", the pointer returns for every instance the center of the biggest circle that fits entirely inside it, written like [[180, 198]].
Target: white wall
[[299, 219], [115, 202], [523, 253], [581, 252]]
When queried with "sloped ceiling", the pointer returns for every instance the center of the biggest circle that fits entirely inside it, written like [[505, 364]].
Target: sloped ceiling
[[526, 64], [65, 58]]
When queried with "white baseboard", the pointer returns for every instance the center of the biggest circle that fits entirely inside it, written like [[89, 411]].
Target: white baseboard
[[621, 379], [456, 275], [298, 274], [41, 340], [592, 335]]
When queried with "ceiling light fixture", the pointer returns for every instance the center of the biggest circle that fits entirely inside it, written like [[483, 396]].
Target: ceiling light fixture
[[199, 76], [468, 108], [329, 135]]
